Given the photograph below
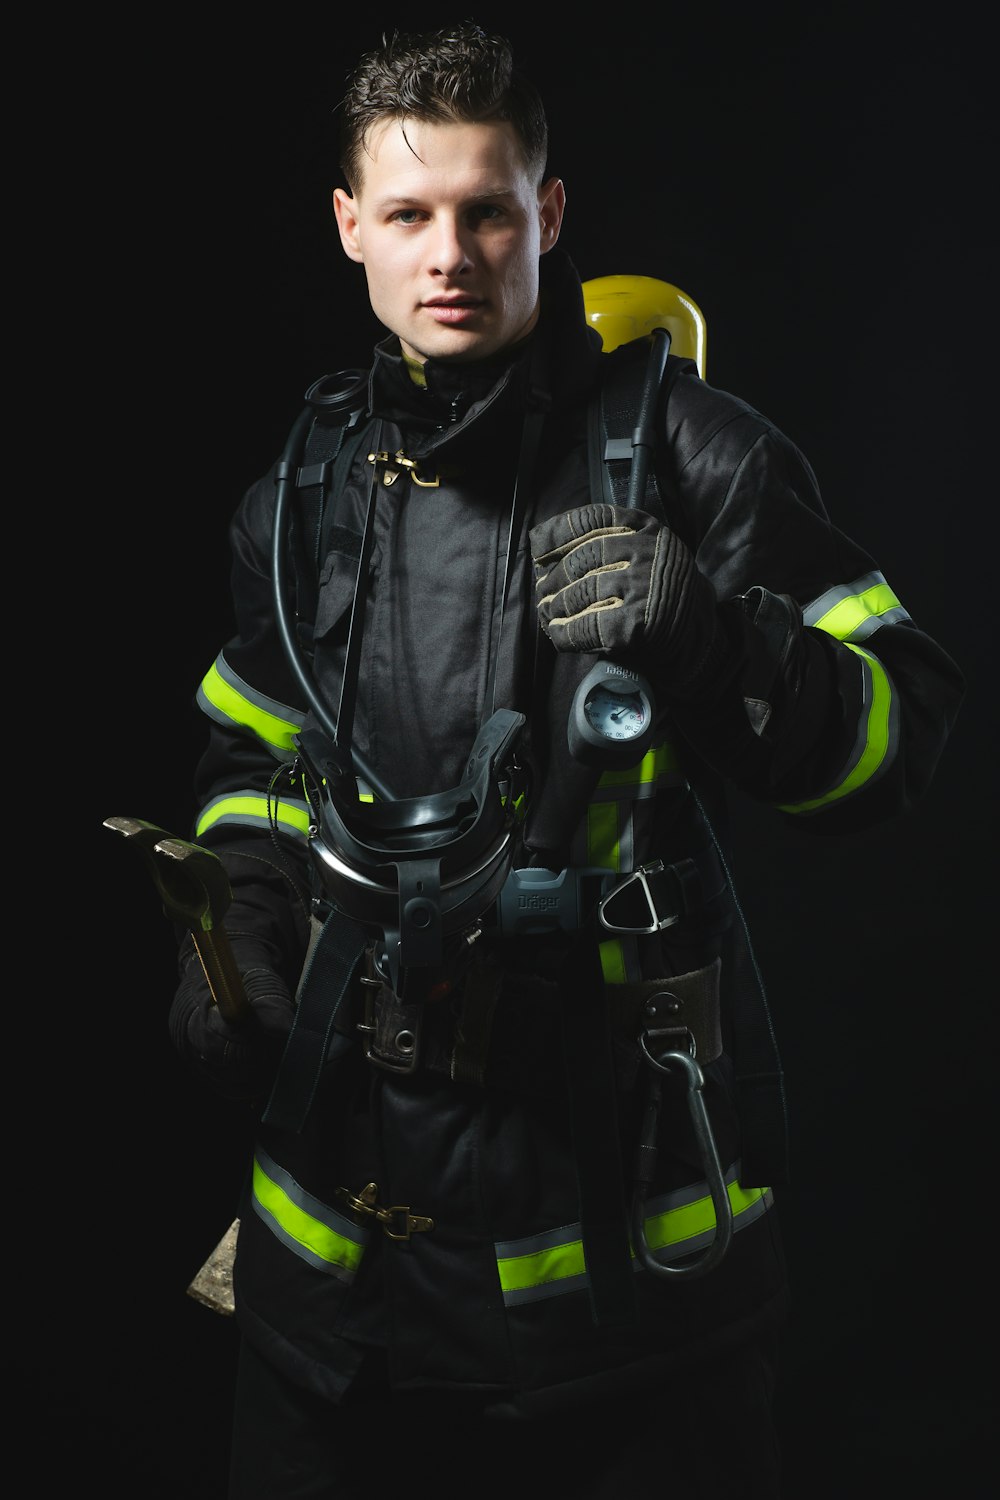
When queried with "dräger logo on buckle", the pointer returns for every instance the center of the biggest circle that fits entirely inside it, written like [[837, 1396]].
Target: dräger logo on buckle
[[537, 903]]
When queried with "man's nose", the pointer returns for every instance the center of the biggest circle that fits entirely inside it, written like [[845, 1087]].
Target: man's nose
[[450, 250]]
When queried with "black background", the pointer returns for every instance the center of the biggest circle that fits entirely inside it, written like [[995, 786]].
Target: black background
[[820, 184]]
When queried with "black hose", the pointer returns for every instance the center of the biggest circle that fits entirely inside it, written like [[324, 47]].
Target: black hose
[[285, 475]]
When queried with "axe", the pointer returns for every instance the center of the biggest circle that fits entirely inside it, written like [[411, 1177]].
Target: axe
[[194, 888]]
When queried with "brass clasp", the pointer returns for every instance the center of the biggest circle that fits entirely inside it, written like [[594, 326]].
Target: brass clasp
[[394, 1227], [400, 459]]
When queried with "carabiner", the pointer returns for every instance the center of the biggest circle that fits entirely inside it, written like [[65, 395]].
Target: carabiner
[[646, 1159]]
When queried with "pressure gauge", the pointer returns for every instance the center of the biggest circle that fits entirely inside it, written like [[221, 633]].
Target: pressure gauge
[[611, 720]]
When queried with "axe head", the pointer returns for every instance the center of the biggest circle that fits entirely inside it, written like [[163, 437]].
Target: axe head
[[191, 880], [213, 1285]]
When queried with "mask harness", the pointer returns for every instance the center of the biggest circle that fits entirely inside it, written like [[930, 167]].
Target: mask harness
[[407, 879]]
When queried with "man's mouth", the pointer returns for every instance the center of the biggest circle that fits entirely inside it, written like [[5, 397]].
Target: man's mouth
[[453, 310]]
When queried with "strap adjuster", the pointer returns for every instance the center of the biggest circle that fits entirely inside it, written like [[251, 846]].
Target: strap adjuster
[[665, 905]]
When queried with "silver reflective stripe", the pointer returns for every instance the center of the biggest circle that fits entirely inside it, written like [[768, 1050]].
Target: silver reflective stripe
[[677, 1224], [313, 1231], [230, 701], [251, 809], [877, 740], [853, 611]]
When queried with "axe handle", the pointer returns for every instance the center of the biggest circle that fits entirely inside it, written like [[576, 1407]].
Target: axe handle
[[223, 977]]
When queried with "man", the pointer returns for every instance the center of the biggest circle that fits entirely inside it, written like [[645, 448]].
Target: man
[[519, 1105]]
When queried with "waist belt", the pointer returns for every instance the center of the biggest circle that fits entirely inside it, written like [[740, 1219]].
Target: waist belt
[[532, 902], [504, 1028]]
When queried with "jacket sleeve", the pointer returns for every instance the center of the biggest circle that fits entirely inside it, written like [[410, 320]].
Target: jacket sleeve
[[835, 706], [251, 807]]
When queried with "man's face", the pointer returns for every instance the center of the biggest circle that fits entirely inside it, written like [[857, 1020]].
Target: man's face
[[449, 233]]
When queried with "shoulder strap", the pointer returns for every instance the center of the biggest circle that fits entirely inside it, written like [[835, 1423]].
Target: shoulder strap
[[332, 443], [611, 422]]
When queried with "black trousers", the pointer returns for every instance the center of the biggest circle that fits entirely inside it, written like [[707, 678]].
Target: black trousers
[[707, 1436]]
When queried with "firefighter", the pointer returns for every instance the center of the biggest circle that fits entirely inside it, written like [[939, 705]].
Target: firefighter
[[518, 1102]]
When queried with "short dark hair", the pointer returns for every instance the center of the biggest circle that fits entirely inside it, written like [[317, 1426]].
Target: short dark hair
[[457, 74]]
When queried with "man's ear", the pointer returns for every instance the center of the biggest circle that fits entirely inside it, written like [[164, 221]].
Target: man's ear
[[346, 210], [551, 207]]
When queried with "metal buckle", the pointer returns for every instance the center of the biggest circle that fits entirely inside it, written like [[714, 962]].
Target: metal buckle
[[396, 1222], [405, 1042], [655, 867]]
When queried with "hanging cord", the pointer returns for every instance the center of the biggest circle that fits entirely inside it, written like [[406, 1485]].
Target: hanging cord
[[356, 628], [285, 476]]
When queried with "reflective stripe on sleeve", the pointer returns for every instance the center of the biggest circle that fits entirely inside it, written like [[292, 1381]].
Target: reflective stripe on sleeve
[[312, 1230], [251, 809], [677, 1224], [226, 698], [854, 611], [877, 738]]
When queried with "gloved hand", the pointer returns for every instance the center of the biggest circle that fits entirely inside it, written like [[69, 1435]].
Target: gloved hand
[[615, 580], [239, 1059]]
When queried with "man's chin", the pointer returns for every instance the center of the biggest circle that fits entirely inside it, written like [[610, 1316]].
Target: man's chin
[[456, 346]]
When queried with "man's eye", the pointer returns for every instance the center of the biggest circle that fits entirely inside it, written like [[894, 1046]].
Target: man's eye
[[406, 216], [487, 211]]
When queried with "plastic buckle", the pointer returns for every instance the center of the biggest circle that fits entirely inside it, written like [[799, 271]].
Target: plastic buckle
[[534, 900], [640, 877]]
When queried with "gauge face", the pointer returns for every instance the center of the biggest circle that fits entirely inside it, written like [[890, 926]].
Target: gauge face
[[616, 716]]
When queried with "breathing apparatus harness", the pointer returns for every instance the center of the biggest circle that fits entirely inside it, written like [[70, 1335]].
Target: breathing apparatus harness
[[419, 873], [418, 870]]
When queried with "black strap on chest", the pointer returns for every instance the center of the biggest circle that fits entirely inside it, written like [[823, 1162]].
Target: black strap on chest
[[331, 448]]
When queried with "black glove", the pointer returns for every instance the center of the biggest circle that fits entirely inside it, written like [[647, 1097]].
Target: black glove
[[239, 1059], [615, 580]]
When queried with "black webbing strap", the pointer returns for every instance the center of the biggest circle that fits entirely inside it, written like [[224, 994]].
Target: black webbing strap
[[612, 418], [594, 1118], [611, 424], [326, 979], [330, 451]]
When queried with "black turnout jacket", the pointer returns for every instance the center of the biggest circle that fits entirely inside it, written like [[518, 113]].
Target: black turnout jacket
[[517, 1134]]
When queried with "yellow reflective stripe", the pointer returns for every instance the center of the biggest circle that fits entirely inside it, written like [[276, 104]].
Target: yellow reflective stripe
[[844, 618], [234, 706], [659, 761], [602, 835], [553, 1263], [518, 1272], [607, 815], [692, 1219], [612, 956], [304, 1228], [251, 808], [876, 732], [604, 851]]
